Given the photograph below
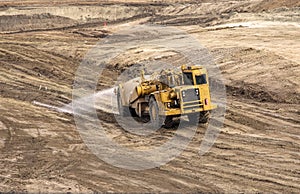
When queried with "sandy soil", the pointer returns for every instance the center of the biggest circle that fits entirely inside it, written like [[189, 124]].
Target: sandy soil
[[255, 44]]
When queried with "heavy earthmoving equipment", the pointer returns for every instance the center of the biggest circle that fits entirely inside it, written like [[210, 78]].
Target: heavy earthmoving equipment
[[167, 96]]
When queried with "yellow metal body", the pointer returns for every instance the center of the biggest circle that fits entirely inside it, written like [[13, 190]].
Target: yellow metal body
[[173, 96]]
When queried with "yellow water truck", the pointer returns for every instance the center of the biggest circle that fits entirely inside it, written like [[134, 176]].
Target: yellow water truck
[[167, 96]]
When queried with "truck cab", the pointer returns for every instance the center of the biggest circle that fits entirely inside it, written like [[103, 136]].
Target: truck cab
[[195, 91], [189, 95]]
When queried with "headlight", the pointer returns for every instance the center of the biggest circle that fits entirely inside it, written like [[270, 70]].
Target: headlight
[[197, 92], [183, 94], [168, 105]]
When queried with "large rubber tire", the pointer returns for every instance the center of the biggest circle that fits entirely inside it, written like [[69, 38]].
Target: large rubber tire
[[202, 117], [156, 120], [169, 122]]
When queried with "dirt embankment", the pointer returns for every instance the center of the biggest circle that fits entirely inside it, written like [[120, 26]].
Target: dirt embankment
[[65, 17], [41, 150], [37, 21], [277, 80], [267, 5], [19, 19]]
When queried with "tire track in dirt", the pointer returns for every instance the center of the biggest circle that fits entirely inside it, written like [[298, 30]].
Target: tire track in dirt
[[248, 147], [35, 74], [256, 151]]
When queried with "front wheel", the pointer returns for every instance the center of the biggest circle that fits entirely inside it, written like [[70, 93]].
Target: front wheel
[[202, 117], [155, 118], [169, 122]]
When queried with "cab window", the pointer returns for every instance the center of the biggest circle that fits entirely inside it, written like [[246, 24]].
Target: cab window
[[201, 79], [188, 79]]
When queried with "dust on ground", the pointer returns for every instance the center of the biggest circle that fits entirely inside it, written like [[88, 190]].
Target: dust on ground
[[255, 44]]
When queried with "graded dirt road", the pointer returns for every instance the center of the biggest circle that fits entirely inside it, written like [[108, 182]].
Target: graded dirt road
[[254, 43]]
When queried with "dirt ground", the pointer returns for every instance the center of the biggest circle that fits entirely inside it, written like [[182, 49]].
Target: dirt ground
[[254, 43]]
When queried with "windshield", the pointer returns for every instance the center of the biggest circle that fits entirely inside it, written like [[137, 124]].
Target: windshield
[[188, 79], [201, 79]]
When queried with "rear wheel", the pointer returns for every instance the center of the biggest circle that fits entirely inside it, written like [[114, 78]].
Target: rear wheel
[[156, 120], [169, 122]]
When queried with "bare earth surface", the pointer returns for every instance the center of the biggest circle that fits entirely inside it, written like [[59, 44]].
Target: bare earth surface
[[254, 43]]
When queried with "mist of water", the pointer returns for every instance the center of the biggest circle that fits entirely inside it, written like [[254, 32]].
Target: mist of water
[[104, 100]]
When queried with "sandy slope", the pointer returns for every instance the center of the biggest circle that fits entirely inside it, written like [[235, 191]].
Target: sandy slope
[[256, 151]]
